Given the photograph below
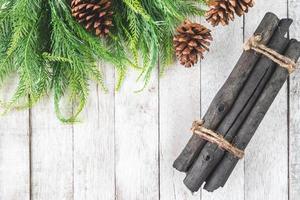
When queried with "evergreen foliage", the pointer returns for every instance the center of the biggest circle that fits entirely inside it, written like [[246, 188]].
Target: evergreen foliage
[[51, 52]]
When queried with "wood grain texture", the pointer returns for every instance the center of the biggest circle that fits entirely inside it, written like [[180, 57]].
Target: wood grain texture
[[14, 151], [214, 71], [271, 182], [51, 154], [248, 129], [294, 137], [179, 106], [223, 101], [94, 145], [211, 155], [240, 129], [136, 141], [126, 152]]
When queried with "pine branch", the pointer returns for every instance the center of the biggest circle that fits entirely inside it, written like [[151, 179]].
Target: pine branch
[[49, 50], [6, 64], [24, 52]]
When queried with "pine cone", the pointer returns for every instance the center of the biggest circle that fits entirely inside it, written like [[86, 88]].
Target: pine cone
[[222, 11], [191, 41], [95, 15]]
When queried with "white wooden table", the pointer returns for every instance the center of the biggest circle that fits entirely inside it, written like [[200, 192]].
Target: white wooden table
[[127, 142]]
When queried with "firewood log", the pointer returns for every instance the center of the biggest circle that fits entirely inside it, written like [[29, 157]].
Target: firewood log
[[227, 95], [222, 172], [211, 154]]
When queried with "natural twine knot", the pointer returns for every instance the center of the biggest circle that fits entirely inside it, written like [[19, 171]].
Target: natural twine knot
[[216, 138], [254, 43]]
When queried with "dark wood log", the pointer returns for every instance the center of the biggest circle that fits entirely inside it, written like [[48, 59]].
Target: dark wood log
[[211, 155], [226, 96], [221, 174]]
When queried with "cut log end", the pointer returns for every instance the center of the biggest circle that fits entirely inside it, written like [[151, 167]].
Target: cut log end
[[215, 113]]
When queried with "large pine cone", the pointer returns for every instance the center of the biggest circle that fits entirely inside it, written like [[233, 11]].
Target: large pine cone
[[94, 15], [191, 41], [222, 11]]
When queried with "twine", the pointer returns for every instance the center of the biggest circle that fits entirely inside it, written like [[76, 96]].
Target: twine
[[215, 138], [285, 62]]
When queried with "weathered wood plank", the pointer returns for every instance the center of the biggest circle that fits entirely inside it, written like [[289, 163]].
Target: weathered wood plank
[[136, 141], [269, 145], [52, 155], [256, 115], [211, 155], [179, 106], [94, 145], [294, 143], [215, 69], [14, 151], [239, 130], [223, 101]]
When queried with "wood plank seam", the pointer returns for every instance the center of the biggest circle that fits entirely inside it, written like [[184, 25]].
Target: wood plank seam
[[114, 141], [288, 116], [200, 111], [243, 161], [30, 150], [158, 131]]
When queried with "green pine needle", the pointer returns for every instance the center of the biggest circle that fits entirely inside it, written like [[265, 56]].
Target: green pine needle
[[51, 52]]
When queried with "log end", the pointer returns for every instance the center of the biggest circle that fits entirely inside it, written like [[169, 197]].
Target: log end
[[179, 165], [192, 184]]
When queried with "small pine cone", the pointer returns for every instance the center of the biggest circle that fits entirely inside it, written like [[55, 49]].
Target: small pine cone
[[241, 6], [222, 11], [191, 41], [94, 15]]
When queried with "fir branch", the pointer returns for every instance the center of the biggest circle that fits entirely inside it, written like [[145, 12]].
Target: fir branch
[[51, 58], [142, 35], [6, 65], [136, 6], [72, 42], [24, 52], [163, 18]]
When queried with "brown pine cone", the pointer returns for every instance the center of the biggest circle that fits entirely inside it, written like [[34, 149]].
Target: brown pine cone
[[191, 41], [94, 15], [222, 11], [241, 6]]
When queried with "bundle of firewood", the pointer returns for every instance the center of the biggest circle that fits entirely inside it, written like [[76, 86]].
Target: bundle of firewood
[[235, 113]]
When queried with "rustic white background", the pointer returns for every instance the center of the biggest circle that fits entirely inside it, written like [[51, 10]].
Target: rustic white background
[[125, 146]]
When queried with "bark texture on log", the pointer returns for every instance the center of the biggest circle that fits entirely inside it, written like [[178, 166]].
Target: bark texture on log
[[227, 95], [211, 154], [221, 174]]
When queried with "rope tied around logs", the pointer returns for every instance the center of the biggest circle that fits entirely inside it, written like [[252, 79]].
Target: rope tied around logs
[[216, 138], [254, 43]]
